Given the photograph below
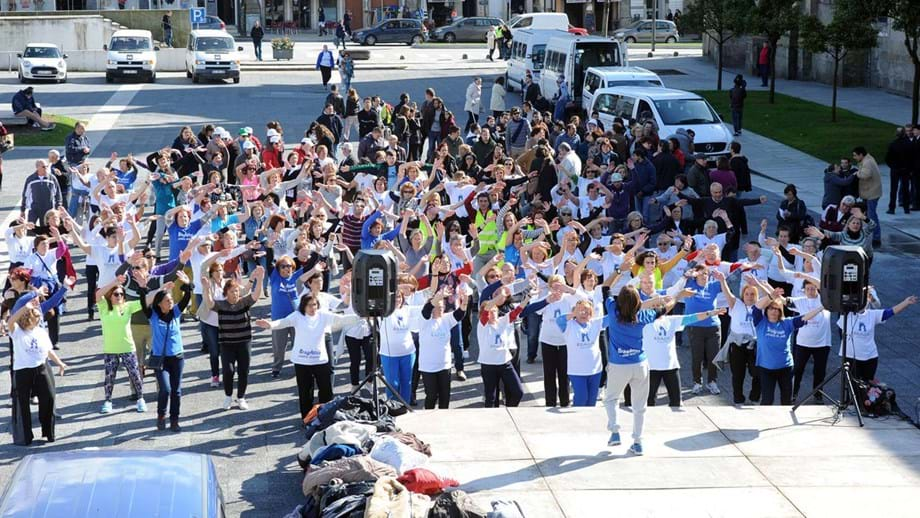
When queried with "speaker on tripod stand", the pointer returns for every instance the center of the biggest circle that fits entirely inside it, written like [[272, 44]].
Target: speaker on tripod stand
[[844, 290], [373, 296]]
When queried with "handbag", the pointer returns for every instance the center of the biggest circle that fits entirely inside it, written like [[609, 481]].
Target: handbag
[[154, 361]]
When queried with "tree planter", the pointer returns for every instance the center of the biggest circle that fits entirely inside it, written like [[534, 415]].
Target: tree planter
[[282, 54]]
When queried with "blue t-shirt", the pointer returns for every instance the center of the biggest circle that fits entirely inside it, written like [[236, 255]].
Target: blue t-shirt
[[624, 340], [218, 224], [703, 299], [284, 293], [179, 237], [774, 340]]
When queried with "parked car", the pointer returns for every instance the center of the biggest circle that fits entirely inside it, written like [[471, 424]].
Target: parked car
[[395, 30], [131, 53], [473, 28], [212, 54], [545, 21], [641, 31], [42, 61], [114, 483], [607, 77], [212, 22]]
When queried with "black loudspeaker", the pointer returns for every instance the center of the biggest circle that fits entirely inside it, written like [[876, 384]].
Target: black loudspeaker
[[844, 279], [373, 283]]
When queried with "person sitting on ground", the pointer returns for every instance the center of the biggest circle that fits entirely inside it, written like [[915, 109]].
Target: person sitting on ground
[[24, 105]]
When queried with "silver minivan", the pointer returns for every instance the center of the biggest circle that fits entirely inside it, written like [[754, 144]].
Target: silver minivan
[[641, 31]]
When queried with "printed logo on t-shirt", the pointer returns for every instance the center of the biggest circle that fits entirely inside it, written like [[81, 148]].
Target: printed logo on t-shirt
[[861, 328], [32, 345], [498, 342], [400, 322]]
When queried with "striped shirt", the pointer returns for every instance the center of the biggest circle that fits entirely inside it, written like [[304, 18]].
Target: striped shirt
[[235, 325], [351, 231]]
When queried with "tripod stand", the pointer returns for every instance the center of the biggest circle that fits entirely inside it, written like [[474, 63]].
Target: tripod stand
[[847, 391], [376, 374]]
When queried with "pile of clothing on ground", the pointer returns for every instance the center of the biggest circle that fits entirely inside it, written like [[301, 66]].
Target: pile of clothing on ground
[[359, 464]]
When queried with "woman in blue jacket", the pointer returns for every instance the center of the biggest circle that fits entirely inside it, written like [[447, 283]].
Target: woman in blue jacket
[[774, 345], [166, 341]]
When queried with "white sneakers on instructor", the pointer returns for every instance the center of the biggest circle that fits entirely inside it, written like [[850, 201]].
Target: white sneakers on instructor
[[229, 401]]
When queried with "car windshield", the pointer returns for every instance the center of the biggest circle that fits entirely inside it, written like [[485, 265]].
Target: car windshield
[[635, 82], [128, 44], [635, 24], [685, 111], [214, 44], [41, 52]]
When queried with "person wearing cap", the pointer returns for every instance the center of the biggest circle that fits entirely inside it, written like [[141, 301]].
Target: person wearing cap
[[24, 105], [698, 175], [517, 133], [248, 152], [254, 139], [272, 155], [324, 63]]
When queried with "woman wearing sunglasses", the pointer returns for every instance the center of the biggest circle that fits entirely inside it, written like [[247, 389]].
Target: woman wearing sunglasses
[[118, 341]]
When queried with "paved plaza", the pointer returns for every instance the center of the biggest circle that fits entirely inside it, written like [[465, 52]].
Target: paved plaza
[[555, 454]]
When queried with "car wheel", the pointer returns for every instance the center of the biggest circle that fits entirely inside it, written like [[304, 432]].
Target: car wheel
[[236, 80], [195, 79], [188, 74], [21, 79], [62, 80], [630, 39], [415, 40], [370, 40], [671, 39], [450, 37], [108, 78], [153, 77]]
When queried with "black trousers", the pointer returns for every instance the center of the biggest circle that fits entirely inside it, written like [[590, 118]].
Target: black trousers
[[308, 376], [899, 193], [358, 347], [326, 72], [471, 118], [92, 278], [671, 380], [504, 375], [437, 389], [800, 356], [769, 379], [416, 375], [742, 361], [555, 374], [236, 358], [863, 369], [37, 380], [704, 345]]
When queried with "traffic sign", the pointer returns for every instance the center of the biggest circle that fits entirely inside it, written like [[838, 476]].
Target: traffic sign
[[197, 15]]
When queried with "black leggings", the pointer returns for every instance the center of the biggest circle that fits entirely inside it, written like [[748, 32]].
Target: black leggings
[[35, 380], [307, 376], [800, 357], [236, 358], [437, 389], [555, 374], [92, 278], [326, 72], [356, 348], [769, 379], [492, 376], [742, 360], [671, 382], [863, 369]]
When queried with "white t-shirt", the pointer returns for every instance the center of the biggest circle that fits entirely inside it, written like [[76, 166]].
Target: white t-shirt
[[583, 351], [310, 338], [396, 332], [108, 260], [549, 330], [19, 248], [586, 205], [658, 340], [861, 334], [458, 193], [434, 352], [43, 266], [30, 348], [610, 262], [496, 341], [701, 241], [817, 331], [742, 319]]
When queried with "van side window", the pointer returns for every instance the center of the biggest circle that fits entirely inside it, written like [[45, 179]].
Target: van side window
[[522, 50], [645, 110], [537, 54], [624, 107], [606, 103], [592, 82], [526, 22]]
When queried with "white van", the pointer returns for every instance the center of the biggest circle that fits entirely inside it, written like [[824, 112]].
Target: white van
[[131, 53], [212, 54], [528, 47], [606, 77], [569, 56], [540, 21], [671, 110]]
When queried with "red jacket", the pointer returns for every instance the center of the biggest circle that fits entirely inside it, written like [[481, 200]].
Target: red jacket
[[764, 58]]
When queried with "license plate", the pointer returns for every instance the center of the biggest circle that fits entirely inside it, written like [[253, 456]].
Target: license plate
[[43, 73], [130, 71], [218, 71]]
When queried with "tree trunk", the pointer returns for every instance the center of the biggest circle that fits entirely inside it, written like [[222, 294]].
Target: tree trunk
[[834, 95], [915, 96], [719, 80], [773, 71]]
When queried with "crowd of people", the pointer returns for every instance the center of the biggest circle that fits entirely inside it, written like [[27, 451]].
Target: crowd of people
[[530, 235]]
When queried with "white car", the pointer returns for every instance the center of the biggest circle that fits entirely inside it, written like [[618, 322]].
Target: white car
[[42, 61]]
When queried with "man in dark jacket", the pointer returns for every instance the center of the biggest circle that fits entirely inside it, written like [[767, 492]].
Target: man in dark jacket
[[703, 209], [836, 182], [531, 90], [698, 175], [642, 171], [336, 100], [77, 145], [367, 118], [736, 99], [24, 106], [739, 165], [666, 166], [484, 147], [40, 193], [257, 33], [332, 121], [899, 158], [370, 144]]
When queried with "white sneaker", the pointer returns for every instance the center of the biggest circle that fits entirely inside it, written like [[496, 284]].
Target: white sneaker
[[215, 381], [697, 389], [141, 405], [713, 388], [228, 403], [106, 408], [242, 403]]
